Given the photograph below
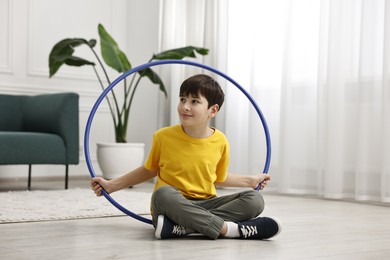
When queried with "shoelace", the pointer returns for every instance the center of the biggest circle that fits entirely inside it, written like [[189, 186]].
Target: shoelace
[[178, 230], [248, 231]]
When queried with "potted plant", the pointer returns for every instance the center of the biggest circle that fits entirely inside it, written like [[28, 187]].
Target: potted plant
[[62, 53]]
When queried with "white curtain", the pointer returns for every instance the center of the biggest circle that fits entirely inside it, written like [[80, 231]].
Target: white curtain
[[319, 70]]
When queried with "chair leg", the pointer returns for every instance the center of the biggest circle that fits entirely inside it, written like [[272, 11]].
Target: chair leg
[[66, 176], [29, 177]]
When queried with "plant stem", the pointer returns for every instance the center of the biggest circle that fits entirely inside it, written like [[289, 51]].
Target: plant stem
[[108, 79], [108, 100], [127, 110], [117, 124]]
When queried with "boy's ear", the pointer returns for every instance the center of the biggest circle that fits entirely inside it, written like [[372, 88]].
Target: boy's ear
[[214, 110]]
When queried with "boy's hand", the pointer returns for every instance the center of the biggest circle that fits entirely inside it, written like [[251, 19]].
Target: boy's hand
[[98, 184], [262, 179]]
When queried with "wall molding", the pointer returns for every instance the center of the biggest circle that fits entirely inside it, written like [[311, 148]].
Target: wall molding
[[38, 70], [6, 68], [39, 89]]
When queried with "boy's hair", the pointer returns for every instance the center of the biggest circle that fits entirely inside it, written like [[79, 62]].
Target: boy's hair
[[202, 84]]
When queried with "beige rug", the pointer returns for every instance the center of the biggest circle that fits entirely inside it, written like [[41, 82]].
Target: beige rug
[[28, 206]]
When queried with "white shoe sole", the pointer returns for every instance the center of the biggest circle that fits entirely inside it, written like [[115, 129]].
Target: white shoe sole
[[160, 224]]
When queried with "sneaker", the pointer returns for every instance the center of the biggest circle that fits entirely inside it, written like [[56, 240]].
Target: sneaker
[[259, 228], [167, 229]]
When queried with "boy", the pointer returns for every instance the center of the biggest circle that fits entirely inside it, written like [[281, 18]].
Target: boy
[[189, 160]]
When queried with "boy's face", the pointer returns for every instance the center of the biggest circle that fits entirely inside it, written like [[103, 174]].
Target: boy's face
[[194, 111]]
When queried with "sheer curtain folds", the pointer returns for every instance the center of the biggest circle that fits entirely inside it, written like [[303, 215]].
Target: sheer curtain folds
[[319, 70]]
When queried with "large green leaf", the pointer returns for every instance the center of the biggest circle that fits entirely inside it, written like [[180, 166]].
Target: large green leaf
[[180, 53], [112, 55], [154, 78], [62, 53]]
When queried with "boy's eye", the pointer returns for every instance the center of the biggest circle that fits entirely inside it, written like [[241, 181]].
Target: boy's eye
[[193, 101]]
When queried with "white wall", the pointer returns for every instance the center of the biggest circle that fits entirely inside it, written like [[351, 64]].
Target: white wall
[[28, 31]]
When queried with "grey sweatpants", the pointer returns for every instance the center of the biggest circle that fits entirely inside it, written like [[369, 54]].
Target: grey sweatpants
[[205, 216]]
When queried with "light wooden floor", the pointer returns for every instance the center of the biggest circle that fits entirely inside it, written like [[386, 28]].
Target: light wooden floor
[[312, 229]]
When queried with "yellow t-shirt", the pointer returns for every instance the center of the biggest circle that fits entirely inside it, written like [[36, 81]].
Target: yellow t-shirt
[[192, 165]]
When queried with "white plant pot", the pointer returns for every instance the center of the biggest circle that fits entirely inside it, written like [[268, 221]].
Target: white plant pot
[[116, 159]]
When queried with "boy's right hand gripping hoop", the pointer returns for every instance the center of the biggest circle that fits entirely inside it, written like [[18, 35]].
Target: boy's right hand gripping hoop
[[152, 64]]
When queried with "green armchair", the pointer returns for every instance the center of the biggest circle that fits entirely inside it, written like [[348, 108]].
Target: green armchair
[[41, 129]]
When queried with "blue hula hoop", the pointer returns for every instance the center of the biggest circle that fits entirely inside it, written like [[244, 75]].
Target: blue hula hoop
[[152, 64]]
